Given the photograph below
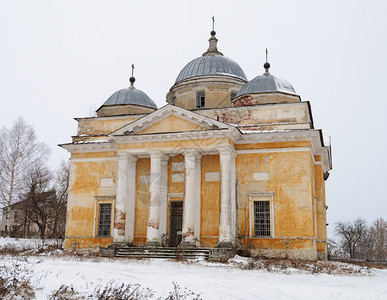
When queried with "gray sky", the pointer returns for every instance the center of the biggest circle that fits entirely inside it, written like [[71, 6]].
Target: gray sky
[[63, 59]]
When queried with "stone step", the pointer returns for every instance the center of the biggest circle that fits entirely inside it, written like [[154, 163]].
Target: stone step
[[162, 250], [141, 252]]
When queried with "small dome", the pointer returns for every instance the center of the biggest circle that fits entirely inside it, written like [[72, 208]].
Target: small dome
[[130, 96], [267, 83], [211, 65]]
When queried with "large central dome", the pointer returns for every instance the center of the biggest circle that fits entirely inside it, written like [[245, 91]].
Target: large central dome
[[212, 62], [211, 65], [208, 81]]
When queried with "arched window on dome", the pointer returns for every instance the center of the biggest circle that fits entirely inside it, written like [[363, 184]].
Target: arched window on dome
[[200, 100], [233, 94]]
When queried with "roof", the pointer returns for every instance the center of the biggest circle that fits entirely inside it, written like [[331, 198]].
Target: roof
[[267, 83], [211, 65], [130, 96]]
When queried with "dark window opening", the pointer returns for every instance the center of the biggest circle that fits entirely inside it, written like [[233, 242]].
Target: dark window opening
[[174, 100], [261, 218], [104, 220], [200, 100], [233, 95]]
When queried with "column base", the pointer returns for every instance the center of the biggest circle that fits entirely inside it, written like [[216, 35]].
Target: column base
[[152, 244], [116, 245], [223, 245], [187, 244]]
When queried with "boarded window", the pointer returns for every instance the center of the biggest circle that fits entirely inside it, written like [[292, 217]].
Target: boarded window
[[104, 220], [200, 100], [261, 218]]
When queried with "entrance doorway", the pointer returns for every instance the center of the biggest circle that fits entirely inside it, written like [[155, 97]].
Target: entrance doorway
[[175, 223]]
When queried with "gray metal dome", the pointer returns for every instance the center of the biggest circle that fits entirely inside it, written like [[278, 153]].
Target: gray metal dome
[[130, 96], [266, 83], [211, 65]]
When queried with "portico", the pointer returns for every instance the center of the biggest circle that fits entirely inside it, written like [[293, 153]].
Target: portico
[[158, 206]]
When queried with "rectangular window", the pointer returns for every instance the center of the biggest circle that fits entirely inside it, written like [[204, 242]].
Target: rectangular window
[[104, 220], [261, 218], [200, 100]]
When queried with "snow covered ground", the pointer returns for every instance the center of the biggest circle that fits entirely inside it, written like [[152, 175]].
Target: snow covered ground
[[210, 280]]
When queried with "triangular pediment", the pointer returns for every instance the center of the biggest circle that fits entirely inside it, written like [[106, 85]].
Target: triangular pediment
[[170, 119]]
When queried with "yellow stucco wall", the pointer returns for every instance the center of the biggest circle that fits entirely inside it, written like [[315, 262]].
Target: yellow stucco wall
[[142, 200], [209, 227], [84, 186], [290, 182]]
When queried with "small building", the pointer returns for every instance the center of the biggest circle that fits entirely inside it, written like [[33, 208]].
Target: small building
[[226, 162], [21, 218]]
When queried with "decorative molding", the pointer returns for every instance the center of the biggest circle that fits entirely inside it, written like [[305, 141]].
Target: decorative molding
[[90, 147], [212, 176], [105, 182], [261, 194], [261, 176], [177, 177], [178, 166], [101, 198], [175, 195], [93, 159]]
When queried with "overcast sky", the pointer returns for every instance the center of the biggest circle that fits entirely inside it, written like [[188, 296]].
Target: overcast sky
[[63, 59]]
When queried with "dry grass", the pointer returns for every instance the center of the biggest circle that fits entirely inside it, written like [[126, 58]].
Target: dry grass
[[15, 282], [122, 291], [35, 247], [288, 266]]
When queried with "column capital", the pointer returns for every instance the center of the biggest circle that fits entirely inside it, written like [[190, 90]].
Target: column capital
[[122, 155], [198, 156], [165, 158], [132, 158], [226, 149], [190, 153], [155, 154]]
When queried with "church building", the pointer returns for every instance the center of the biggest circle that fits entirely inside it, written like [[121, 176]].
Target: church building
[[226, 163]]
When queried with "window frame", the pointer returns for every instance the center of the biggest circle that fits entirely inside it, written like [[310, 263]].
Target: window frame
[[261, 197], [233, 95], [261, 215], [200, 99], [98, 230]]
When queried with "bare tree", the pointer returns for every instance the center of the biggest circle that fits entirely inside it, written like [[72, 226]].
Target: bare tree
[[19, 150], [40, 197], [378, 239], [60, 203], [352, 235]]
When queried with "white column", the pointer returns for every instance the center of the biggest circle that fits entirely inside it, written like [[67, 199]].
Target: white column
[[198, 189], [225, 197], [121, 197], [163, 190], [189, 199], [233, 200], [152, 233], [131, 199]]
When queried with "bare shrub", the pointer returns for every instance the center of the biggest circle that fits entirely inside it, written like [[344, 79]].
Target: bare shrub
[[15, 282], [122, 292], [65, 292], [178, 294]]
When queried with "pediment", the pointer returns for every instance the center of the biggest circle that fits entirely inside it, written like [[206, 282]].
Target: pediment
[[170, 119]]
